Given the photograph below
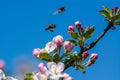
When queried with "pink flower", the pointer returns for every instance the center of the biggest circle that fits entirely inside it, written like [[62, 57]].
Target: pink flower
[[70, 29], [85, 54], [2, 63], [42, 68], [89, 63], [68, 78], [58, 40], [94, 56], [36, 52], [77, 24], [50, 46], [68, 46], [115, 8], [87, 28]]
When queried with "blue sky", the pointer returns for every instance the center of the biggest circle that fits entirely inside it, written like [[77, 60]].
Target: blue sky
[[22, 24]]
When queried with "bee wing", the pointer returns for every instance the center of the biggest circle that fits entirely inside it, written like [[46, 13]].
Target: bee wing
[[54, 13]]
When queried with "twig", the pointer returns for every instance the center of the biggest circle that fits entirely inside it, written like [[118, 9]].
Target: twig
[[93, 43]]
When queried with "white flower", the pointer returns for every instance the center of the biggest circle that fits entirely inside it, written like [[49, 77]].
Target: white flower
[[39, 76], [50, 46], [2, 76], [56, 70]]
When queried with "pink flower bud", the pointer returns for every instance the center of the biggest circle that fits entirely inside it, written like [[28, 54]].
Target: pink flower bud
[[115, 8], [68, 46], [77, 24], [42, 68], [2, 63], [85, 54], [68, 78], [58, 40], [87, 28], [36, 52], [70, 29], [89, 63], [94, 56]]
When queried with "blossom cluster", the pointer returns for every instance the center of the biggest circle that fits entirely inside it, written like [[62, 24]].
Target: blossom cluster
[[54, 46], [53, 71]]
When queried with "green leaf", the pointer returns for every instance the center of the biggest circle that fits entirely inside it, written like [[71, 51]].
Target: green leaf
[[80, 42], [107, 10], [56, 57], [45, 56], [74, 35], [75, 56], [105, 14], [88, 33], [116, 17], [28, 76], [81, 67], [117, 23]]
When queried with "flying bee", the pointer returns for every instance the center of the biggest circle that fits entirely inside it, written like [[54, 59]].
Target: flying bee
[[59, 10], [50, 27]]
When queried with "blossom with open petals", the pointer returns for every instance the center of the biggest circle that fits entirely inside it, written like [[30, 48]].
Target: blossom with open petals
[[39, 76], [56, 70], [50, 46]]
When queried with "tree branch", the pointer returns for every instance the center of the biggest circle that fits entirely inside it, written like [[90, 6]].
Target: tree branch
[[110, 24]]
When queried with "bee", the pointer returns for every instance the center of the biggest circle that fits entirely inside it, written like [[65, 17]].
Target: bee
[[59, 10], [50, 27]]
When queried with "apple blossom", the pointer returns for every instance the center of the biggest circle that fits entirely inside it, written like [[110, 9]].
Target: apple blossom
[[94, 56], [2, 63], [77, 24], [58, 40], [56, 70], [70, 29], [87, 28], [42, 68], [85, 54], [115, 8], [68, 78], [89, 63], [68, 46], [50, 46], [39, 76], [36, 52]]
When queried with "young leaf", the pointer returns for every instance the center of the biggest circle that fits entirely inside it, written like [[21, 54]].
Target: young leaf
[[74, 35], [81, 67], [45, 56], [88, 33], [105, 14], [116, 17], [107, 10], [28, 76], [56, 57]]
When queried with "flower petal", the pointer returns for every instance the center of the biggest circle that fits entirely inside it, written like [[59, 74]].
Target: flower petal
[[51, 66], [50, 46], [36, 75], [2, 75], [60, 67]]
